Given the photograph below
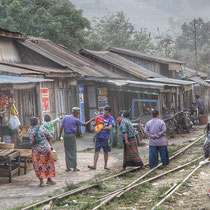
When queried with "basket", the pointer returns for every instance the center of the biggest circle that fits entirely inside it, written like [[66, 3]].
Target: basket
[[203, 119]]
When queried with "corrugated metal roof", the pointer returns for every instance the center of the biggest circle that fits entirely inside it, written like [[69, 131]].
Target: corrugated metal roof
[[10, 34], [152, 85], [8, 51], [4, 79], [66, 58], [172, 81], [122, 63], [191, 73], [200, 81], [16, 70], [18, 67], [145, 56]]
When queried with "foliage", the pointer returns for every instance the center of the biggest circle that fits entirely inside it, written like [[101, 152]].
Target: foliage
[[185, 43], [56, 20], [116, 30]]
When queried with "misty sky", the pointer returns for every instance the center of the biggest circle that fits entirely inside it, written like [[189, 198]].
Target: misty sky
[[151, 14]]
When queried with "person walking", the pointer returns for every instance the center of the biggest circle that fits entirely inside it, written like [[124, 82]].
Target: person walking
[[131, 155], [42, 157], [102, 139], [155, 129], [200, 105], [69, 125]]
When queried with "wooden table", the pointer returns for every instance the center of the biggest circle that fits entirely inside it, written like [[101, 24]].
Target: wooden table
[[9, 163], [25, 159]]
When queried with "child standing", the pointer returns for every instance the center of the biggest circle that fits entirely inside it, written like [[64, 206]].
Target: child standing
[[49, 124]]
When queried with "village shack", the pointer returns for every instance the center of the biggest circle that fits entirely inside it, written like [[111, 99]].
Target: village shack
[[167, 67], [40, 58], [201, 87], [19, 99], [175, 92]]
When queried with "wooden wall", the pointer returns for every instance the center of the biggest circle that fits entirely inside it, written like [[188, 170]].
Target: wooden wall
[[152, 66]]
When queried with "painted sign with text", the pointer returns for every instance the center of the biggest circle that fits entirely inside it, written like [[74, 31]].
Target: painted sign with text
[[45, 99]]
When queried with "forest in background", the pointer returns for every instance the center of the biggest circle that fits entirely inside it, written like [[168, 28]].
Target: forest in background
[[61, 22]]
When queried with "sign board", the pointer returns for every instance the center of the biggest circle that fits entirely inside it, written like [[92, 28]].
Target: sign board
[[81, 102], [45, 99], [102, 98]]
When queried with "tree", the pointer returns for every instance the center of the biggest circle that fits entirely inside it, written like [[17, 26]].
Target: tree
[[56, 20], [185, 43], [116, 30]]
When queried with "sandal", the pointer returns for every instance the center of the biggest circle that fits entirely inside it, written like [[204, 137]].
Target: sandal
[[51, 183], [68, 169], [91, 167], [75, 170], [41, 185], [107, 168]]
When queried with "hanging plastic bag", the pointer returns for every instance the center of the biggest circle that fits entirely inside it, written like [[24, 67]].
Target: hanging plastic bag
[[14, 122], [13, 110]]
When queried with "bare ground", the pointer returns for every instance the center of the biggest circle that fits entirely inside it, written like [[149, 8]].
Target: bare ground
[[24, 188]]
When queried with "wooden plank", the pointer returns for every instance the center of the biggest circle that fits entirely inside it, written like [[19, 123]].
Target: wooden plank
[[14, 154], [25, 152], [15, 171], [6, 152], [2, 151]]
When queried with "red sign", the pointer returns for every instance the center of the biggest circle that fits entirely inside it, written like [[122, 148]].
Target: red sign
[[45, 99]]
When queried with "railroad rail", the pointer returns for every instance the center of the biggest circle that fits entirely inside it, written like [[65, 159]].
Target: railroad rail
[[104, 199]]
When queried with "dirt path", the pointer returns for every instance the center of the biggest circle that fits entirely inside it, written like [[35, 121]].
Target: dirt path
[[24, 188]]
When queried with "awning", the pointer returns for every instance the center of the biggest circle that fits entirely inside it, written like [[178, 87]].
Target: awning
[[5, 79]]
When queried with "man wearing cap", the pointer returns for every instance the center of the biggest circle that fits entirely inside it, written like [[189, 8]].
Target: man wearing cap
[[102, 138], [69, 124]]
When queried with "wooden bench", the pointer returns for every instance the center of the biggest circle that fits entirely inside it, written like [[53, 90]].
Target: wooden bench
[[9, 163], [25, 159]]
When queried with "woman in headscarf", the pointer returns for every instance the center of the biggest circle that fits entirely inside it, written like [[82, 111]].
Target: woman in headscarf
[[42, 157], [127, 135]]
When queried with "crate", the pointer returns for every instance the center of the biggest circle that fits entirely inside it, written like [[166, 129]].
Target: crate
[[7, 145]]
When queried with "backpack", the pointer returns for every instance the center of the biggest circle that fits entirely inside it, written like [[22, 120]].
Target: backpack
[[36, 138]]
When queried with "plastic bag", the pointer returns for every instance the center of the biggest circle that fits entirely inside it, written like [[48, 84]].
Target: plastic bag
[[14, 122]]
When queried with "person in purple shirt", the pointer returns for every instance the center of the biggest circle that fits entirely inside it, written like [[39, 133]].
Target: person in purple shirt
[[69, 125], [200, 105], [155, 129], [102, 138]]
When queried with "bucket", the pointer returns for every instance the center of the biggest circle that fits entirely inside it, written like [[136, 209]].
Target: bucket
[[203, 119]]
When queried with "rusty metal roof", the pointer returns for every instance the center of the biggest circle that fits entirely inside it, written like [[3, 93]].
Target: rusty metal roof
[[199, 81], [10, 34], [67, 58], [12, 70], [25, 69], [121, 63], [8, 51], [193, 73], [144, 56]]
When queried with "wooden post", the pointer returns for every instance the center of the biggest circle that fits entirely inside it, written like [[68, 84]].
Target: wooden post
[[10, 170]]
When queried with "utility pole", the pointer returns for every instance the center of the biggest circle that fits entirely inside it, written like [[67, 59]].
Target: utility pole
[[196, 53]]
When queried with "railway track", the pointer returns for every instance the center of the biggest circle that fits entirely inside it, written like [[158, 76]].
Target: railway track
[[108, 189]]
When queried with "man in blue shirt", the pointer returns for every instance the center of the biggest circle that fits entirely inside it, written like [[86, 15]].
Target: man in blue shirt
[[102, 138]]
